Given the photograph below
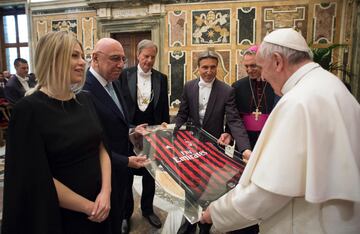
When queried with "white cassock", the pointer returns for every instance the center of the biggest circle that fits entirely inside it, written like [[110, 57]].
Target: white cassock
[[304, 173]]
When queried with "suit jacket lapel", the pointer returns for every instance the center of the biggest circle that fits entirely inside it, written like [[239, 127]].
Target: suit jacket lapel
[[156, 87], [100, 92], [121, 100], [132, 80], [211, 103], [19, 85], [195, 91]]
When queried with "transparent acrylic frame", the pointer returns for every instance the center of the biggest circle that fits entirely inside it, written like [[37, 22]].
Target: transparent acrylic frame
[[189, 165]]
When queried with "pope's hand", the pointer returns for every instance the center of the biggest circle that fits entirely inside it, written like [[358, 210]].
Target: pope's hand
[[246, 155], [206, 216]]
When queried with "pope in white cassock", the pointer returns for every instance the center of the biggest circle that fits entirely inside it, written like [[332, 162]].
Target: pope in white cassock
[[304, 173]]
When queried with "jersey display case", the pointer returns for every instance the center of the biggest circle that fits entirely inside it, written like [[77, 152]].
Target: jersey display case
[[189, 165]]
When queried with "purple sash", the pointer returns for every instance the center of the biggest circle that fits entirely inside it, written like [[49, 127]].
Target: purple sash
[[254, 125]]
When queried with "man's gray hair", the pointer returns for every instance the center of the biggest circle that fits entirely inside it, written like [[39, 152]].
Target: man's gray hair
[[207, 54], [146, 44], [293, 56]]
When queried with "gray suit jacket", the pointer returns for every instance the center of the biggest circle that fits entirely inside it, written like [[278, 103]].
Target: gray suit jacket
[[221, 107]]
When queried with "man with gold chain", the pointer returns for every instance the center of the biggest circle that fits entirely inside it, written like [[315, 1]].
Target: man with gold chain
[[146, 95], [254, 97]]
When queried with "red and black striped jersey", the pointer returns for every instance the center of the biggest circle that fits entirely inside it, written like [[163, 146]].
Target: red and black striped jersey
[[195, 162]]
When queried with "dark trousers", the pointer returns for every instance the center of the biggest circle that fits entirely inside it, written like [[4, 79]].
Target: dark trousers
[[147, 196]]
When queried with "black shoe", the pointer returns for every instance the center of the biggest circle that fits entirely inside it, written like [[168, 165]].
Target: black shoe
[[153, 220], [125, 226]]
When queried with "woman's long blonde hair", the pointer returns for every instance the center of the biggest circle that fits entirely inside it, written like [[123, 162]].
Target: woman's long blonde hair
[[53, 64]]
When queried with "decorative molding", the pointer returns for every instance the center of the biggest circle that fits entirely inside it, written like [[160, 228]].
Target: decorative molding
[[211, 26], [246, 21], [177, 76], [177, 28], [289, 16], [324, 23]]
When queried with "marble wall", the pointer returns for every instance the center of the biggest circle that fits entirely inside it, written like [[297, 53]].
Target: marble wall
[[227, 27], [230, 28], [83, 24]]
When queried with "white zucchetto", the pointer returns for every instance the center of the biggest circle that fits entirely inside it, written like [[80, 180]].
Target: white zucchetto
[[289, 38]]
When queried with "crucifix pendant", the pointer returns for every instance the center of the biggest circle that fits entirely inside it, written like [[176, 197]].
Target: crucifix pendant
[[145, 101], [257, 113]]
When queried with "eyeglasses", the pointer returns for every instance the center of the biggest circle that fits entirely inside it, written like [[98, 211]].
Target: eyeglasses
[[115, 58]]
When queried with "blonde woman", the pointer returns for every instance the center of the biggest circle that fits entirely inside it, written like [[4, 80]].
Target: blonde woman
[[57, 171]]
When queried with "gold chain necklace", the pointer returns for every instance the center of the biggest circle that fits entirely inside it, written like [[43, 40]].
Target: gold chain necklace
[[143, 99], [257, 112]]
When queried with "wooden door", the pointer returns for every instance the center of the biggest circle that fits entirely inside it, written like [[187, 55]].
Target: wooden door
[[129, 41]]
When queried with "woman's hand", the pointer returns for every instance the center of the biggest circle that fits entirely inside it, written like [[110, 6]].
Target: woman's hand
[[101, 207]]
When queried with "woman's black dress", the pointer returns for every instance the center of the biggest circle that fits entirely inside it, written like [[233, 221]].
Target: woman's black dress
[[48, 138]]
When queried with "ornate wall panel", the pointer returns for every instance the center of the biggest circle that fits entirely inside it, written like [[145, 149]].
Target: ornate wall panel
[[83, 24], [88, 35], [41, 28], [246, 18], [324, 22], [211, 26], [223, 69], [240, 69], [288, 16], [69, 25], [231, 27], [176, 75], [177, 23]]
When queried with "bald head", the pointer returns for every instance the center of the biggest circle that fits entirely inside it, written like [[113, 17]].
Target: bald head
[[108, 58], [106, 44]]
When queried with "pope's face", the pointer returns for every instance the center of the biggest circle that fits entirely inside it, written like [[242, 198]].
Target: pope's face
[[207, 69], [268, 72]]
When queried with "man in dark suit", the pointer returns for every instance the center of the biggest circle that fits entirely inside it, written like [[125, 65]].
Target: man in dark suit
[[207, 103], [146, 94], [108, 60], [19, 83]]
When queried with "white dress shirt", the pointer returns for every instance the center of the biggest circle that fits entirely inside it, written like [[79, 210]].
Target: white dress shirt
[[23, 81], [204, 94], [144, 92]]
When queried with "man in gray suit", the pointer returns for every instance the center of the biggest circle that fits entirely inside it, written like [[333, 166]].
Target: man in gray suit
[[207, 102]]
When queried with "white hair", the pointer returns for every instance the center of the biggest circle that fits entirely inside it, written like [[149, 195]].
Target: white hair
[[293, 56]]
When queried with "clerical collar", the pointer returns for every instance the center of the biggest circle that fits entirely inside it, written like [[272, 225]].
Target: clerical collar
[[202, 83], [102, 81], [297, 76], [142, 73]]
